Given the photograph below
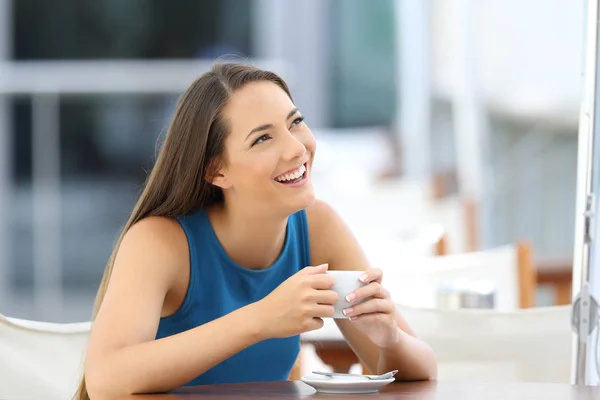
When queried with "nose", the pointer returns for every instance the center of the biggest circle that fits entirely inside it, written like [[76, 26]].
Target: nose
[[294, 148]]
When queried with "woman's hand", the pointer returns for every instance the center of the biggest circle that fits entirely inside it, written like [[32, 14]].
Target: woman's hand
[[376, 316], [298, 304]]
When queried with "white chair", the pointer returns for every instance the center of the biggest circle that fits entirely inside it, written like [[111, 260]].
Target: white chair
[[415, 281], [41, 360], [523, 345]]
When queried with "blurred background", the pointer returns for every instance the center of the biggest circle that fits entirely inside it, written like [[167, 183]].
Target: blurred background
[[450, 123]]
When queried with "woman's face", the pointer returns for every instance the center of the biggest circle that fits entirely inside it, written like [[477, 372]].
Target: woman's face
[[269, 151]]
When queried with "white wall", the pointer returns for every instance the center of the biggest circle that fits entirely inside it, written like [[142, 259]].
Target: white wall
[[529, 52]]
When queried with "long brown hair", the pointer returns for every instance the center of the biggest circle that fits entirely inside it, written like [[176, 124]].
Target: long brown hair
[[193, 148]]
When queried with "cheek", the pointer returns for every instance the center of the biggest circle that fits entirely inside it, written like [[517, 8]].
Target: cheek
[[253, 169]]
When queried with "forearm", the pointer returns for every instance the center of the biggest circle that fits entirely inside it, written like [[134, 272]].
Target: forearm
[[412, 357], [164, 364]]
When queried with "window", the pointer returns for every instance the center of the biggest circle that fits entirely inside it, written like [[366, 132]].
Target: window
[[107, 143], [362, 63], [117, 29]]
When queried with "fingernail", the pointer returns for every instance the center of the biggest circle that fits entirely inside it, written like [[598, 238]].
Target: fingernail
[[347, 311], [363, 278], [350, 297]]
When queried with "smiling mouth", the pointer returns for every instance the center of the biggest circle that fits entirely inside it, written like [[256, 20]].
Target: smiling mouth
[[294, 177]]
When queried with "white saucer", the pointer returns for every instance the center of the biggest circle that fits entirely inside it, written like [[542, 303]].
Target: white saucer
[[344, 385]]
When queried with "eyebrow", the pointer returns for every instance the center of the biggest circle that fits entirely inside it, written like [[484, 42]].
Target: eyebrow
[[268, 126]]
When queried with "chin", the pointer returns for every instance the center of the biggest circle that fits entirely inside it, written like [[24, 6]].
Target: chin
[[301, 202], [307, 200]]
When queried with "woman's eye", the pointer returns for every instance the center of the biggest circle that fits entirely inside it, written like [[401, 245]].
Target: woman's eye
[[297, 121], [261, 139]]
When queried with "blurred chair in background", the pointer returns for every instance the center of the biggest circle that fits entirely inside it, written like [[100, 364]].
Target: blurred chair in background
[[415, 283], [41, 360], [531, 345], [522, 345], [509, 270]]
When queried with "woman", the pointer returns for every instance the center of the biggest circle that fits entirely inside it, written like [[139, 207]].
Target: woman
[[211, 280]]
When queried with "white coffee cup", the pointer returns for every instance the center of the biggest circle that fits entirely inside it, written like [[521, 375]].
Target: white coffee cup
[[344, 283]]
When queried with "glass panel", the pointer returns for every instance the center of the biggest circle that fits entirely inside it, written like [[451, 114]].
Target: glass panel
[[362, 63], [20, 227]]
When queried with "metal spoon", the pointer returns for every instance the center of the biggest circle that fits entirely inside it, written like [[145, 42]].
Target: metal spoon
[[387, 375]]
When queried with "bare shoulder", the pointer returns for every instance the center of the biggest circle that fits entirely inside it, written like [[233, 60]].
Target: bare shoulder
[[165, 233], [319, 212], [331, 240], [150, 261], [156, 244], [158, 227], [320, 215]]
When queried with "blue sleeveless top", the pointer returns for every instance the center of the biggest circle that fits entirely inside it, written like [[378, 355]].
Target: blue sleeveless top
[[219, 286]]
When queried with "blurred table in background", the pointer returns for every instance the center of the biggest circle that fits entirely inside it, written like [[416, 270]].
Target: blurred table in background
[[557, 274]]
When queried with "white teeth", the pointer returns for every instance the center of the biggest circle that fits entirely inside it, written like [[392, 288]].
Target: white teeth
[[294, 175]]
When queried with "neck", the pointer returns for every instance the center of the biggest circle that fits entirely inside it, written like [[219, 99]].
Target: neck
[[252, 240]]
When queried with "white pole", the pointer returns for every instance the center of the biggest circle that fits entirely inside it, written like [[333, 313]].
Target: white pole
[[467, 109], [47, 265], [470, 133], [302, 42], [413, 79], [586, 254]]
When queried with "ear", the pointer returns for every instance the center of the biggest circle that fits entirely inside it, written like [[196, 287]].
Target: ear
[[217, 176], [219, 179]]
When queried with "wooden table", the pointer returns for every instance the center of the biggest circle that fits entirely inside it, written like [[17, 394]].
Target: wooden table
[[413, 390]]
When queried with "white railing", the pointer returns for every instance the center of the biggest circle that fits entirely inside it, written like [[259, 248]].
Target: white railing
[[102, 76]]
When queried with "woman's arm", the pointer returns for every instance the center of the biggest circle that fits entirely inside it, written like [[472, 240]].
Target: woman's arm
[[165, 364], [123, 357], [333, 243], [412, 357]]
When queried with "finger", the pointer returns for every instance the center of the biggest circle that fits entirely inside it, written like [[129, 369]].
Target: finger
[[314, 324], [324, 297], [371, 275], [323, 311], [373, 289], [321, 281], [370, 306], [370, 319], [319, 269]]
